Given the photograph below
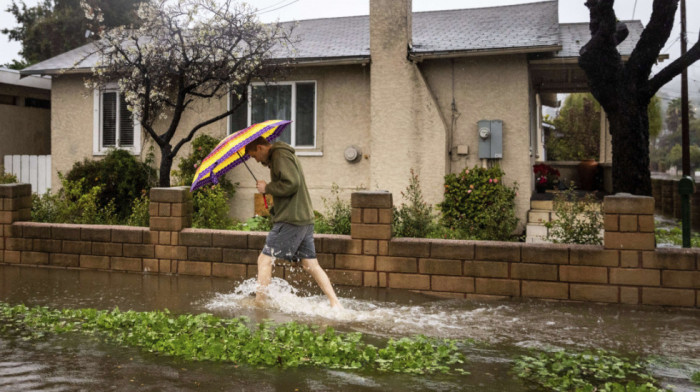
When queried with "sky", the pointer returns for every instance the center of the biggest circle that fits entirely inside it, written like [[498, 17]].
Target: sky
[[569, 11]]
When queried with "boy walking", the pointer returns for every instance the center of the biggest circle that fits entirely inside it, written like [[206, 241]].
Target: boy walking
[[291, 237]]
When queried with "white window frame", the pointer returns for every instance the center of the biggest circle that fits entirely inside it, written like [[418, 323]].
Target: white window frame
[[97, 148], [301, 150]]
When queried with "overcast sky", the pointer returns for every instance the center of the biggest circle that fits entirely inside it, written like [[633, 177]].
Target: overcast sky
[[569, 11]]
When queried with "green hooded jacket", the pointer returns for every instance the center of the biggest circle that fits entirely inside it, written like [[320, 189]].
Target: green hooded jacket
[[292, 203]]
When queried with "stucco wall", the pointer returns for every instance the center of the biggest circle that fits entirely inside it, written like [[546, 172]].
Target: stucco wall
[[487, 88], [24, 130], [342, 120]]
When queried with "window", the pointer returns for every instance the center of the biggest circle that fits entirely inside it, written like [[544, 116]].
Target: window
[[37, 103], [113, 123], [295, 101]]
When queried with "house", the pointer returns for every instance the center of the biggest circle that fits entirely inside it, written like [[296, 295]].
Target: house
[[375, 96], [25, 128]]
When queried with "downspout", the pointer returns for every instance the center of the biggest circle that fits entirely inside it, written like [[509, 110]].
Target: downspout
[[448, 130]]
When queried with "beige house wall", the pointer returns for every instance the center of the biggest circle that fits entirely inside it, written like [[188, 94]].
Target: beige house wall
[[342, 120], [487, 88], [24, 130]]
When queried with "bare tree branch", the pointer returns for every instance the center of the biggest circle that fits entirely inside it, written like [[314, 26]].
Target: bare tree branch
[[653, 39], [674, 69]]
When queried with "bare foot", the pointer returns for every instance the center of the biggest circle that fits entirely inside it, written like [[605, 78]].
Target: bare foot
[[336, 305]]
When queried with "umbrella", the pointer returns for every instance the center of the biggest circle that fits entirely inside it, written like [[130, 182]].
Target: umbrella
[[230, 152]]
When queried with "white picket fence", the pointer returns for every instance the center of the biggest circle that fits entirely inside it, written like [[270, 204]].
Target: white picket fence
[[31, 169]]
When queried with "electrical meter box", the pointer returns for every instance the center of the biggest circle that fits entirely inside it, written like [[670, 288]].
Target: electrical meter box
[[490, 134]]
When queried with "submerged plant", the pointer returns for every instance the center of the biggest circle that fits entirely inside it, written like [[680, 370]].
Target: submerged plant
[[590, 371], [205, 337]]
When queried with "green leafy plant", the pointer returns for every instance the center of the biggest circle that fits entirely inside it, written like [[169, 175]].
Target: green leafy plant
[[589, 371], [473, 198], [695, 378], [7, 178], [578, 220], [211, 208], [256, 223], [72, 204], [204, 337], [673, 235], [337, 217], [140, 215], [414, 218], [120, 176]]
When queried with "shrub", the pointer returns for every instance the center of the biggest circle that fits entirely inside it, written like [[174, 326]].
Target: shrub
[[210, 203], [478, 204], [414, 219], [202, 145], [211, 208], [73, 205], [337, 217], [7, 178], [120, 176], [139, 211], [578, 221]]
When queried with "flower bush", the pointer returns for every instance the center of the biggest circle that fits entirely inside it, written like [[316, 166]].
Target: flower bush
[[545, 175], [479, 205]]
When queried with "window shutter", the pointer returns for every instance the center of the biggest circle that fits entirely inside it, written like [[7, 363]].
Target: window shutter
[[126, 125], [109, 119]]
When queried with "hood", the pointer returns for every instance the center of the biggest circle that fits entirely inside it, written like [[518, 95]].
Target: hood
[[281, 146]]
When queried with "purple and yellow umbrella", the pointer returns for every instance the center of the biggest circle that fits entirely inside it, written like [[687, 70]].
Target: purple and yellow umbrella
[[230, 152]]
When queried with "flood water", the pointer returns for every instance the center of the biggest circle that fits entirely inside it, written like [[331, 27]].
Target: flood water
[[502, 330]]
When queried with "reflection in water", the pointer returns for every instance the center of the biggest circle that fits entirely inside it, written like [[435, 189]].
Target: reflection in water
[[70, 362]]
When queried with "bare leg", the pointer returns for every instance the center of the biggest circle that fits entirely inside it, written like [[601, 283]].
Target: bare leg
[[264, 276], [311, 266]]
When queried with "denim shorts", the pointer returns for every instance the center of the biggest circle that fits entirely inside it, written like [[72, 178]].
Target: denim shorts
[[290, 242]]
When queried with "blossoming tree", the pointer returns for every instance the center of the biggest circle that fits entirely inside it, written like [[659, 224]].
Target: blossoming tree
[[185, 51]]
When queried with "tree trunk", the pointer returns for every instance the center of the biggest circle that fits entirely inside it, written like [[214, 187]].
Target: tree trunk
[[630, 143], [166, 164]]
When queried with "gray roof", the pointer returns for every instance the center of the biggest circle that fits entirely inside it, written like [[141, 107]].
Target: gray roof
[[575, 35], [533, 26], [486, 29]]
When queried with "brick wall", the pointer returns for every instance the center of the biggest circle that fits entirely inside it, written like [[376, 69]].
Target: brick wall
[[627, 269]]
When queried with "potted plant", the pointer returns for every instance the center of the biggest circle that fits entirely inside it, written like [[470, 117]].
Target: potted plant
[[545, 177]]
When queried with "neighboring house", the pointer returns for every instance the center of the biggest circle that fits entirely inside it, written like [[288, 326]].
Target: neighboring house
[[25, 115], [405, 89]]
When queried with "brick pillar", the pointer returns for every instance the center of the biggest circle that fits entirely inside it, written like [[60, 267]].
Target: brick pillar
[[171, 211], [372, 215], [15, 206], [629, 222]]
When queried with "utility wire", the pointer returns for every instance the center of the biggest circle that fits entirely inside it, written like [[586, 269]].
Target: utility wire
[[271, 5], [278, 8], [634, 9]]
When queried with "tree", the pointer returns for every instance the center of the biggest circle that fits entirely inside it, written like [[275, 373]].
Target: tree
[[578, 123], [183, 52], [675, 157], [53, 27], [625, 89], [673, 114]]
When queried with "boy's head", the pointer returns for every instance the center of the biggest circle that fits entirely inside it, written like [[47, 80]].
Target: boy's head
[[258, 149]]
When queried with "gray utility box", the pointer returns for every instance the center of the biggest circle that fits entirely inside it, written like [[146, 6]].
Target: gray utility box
[[490, 134]]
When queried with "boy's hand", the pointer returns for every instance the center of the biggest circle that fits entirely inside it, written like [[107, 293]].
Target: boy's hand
[[261, 186]]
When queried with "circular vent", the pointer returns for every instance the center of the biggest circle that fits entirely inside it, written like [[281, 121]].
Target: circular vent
[[352, 154]]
